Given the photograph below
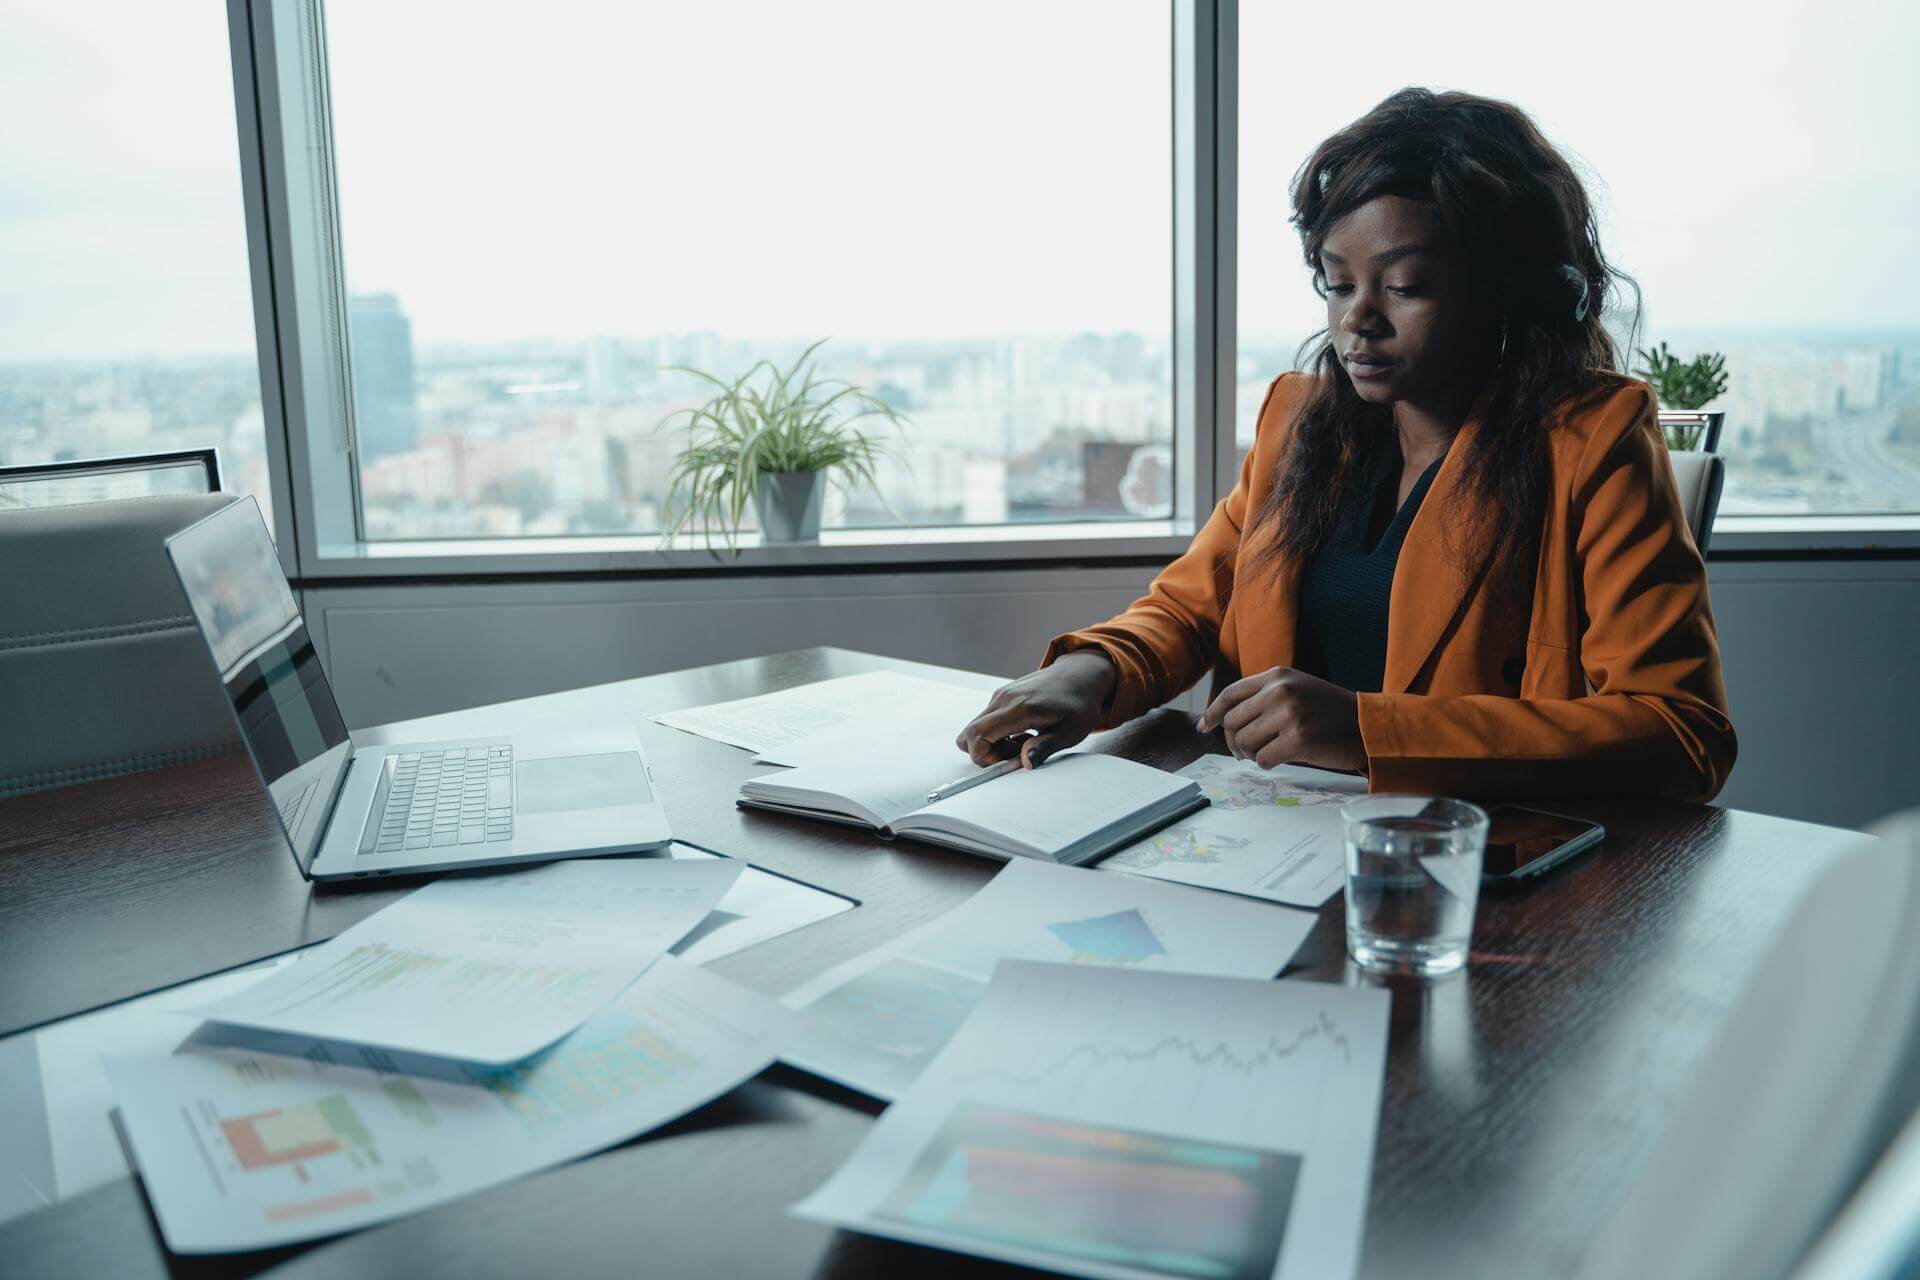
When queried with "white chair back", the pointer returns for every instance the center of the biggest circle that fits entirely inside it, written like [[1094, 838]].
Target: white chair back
[[1699, 477]]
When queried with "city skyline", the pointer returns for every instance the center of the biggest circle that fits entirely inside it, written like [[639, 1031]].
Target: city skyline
[[558, 438]]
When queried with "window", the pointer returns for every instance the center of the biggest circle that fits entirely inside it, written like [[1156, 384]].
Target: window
[[126, 318], [539, 220], [1752, 177]]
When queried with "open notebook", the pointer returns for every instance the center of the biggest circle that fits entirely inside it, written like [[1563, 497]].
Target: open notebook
[[1071, 810]]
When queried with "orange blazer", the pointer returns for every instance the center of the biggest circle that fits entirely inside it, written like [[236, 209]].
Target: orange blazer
[[1608, 682]]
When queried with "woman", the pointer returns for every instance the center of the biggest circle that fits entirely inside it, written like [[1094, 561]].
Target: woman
[[1455, 559]]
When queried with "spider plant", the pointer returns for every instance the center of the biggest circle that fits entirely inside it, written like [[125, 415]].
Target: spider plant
[[766, 422]]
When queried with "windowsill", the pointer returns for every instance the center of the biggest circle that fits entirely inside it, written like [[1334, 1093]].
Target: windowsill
[[837, 549], [1761, 535], [947, 545]]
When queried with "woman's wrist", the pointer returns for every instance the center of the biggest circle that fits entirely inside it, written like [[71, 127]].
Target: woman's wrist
[[1092, 669]]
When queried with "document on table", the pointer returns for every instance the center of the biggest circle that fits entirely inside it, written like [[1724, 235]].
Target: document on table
[[773, 720], [1133, 1126], [245, 1149], [1268, 833], [73, 1077], [759, 906], [874, 1022], [488, 968]]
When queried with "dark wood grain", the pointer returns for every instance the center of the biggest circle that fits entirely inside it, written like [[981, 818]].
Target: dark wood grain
[[1522, 1095]]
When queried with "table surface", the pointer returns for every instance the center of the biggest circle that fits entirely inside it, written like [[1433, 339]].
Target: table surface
[[1522, 1095]]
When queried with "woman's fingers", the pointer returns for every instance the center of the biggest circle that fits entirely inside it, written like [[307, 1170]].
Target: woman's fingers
[[1230, 697], [985, 736], [1261, 734], [1035, 750]]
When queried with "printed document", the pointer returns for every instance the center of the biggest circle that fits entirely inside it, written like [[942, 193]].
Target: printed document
[[73, 1078], [1134, 1126], [874, 1022], [241, 1148], [759, 906], [488, 968], [882, 699], [1268, 833]]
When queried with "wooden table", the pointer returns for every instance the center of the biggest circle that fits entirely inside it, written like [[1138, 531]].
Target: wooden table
[[1522, 1095]]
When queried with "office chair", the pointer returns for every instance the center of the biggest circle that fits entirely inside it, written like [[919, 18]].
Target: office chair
[[102, 670], [1809, 1090], [1699, 477], [56, 484]]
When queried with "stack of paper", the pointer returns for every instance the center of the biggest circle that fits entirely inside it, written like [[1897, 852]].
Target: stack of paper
[[1134, 1126], [874, 1022], [243, 1149], [488, 968], [412, 1059]]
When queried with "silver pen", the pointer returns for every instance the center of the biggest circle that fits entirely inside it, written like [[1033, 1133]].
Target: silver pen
[[988, 774]]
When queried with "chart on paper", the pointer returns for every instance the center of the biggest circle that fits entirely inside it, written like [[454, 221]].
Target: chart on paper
[[488, 968], [247, 1139], [1127, 1124], [874, 1022], [1274, 834]]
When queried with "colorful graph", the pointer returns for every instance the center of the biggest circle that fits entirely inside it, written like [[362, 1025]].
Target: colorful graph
[[609, 1059], [1178, 844], [289, 1134], [1121, 938], [375, 966], [1250, 790], [1172, 1205]]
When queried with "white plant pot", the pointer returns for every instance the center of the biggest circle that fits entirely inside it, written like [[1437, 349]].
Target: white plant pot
[[788, 504]]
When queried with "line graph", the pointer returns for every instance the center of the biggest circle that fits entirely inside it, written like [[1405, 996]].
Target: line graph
[[1324, 1030]]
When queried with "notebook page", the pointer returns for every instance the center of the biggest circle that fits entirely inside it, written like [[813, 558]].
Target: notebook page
[[1065, 800], [890, 779]]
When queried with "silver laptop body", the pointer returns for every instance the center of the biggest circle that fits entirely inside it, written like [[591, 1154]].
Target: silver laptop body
[[395, 808]]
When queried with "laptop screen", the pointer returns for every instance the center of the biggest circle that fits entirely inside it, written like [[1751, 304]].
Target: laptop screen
[[280, 696]]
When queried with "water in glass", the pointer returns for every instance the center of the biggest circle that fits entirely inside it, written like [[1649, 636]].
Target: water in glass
[[1413, 880]]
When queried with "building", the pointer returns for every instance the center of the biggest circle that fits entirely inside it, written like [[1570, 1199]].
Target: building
[[386, 420]]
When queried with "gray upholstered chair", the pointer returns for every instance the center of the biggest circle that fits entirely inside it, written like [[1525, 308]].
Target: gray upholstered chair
[[1699, 477], [102, 670]]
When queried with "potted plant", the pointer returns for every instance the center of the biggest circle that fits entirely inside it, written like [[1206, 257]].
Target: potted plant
[[1687, 386], [773, 437]]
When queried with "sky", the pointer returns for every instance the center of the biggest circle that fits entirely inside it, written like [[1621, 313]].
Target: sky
[[910, 170]]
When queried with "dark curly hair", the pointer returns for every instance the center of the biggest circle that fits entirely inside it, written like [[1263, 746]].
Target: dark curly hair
[[1517, 213]]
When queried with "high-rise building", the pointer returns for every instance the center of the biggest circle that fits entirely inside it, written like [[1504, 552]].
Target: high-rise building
[[382, 336]]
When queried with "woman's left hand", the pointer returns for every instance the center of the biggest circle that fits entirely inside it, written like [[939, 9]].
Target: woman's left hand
[[1283, 716]]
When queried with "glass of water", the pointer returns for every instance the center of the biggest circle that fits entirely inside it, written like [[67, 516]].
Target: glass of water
[[1413, 880]]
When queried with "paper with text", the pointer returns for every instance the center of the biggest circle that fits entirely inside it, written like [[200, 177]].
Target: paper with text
[[244, 1149], [488, 968], [1132, 1126], [771, 721], [874, 1022], [1267, 833]]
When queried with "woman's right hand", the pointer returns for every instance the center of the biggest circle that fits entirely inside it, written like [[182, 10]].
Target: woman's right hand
[[1060, 704]]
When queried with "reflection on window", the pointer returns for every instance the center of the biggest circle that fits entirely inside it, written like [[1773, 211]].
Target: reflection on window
[[975, 208], [1754, 198], [126, 322]]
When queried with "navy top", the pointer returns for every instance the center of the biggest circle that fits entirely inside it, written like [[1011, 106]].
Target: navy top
[[1346, 585]]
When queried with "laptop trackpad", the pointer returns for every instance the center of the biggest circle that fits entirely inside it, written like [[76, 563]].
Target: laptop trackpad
[[564, 783]]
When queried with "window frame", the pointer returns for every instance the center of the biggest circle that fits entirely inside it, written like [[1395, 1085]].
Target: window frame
[[293, 232], [280, 78]]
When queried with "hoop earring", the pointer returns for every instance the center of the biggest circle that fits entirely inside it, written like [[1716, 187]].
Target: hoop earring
[[1501, 359]]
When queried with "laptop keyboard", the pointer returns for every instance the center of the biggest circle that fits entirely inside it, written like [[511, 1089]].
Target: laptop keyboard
[[292, 807], [460, 795]]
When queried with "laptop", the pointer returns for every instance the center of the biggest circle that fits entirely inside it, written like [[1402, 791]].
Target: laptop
[[396, 808]]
